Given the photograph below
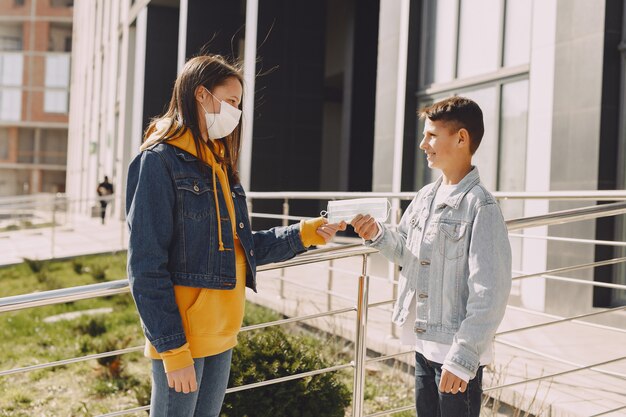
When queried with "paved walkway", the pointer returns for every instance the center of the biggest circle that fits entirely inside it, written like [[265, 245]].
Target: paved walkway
[[584, 393]]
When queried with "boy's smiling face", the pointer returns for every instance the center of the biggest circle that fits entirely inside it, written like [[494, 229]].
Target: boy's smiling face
[[443, 145]]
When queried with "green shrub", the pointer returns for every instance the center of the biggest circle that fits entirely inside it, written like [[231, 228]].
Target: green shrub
[[94, 327], [77, 266], [35, 265], [270, 354], [98, 272]]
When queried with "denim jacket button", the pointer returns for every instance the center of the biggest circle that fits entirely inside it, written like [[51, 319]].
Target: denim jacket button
[[423, 296], [241, 225], [251, 252], [233, 193], [196, 188], [425, 263]]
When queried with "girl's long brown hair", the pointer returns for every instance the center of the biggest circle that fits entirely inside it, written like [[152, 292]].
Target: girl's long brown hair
[[209, 71]]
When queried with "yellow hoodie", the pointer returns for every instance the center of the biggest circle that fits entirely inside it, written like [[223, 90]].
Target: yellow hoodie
[[212, 318]]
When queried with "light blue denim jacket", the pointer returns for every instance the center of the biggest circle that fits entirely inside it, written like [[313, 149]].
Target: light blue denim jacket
[[459, 269]]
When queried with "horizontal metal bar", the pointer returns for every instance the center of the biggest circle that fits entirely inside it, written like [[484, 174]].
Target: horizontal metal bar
[[384, 358], [72, 360], [553, 316], [561, 320], [318, 257], [497, 76], [569, 239], [325, 195], [583, 282], [393, 411], [126, 412], [277, 216], [308, 287], [559, 359], [597, 195], [573, 268], [380, 303], [611, 411], [566, 216], [20, 302], [297, 319], [289, 378], [63, 295]]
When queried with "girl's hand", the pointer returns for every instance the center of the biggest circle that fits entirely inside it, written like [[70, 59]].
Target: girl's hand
[[183, 380], [328, 230]]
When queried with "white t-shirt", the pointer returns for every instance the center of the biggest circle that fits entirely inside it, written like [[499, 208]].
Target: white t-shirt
[[434, 351]]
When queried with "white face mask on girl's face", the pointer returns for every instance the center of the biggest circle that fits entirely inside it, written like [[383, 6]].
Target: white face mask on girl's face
[[221, 124]]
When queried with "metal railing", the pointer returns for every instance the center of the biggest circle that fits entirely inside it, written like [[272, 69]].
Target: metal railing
[[361, 308]]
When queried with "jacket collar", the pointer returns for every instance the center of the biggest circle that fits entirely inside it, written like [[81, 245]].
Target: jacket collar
[[454, 200]]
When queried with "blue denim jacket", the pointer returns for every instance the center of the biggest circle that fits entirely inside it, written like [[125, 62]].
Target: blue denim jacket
[[171, 216], [459, 269]]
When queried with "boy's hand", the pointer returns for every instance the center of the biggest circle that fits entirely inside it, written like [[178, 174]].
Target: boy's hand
[[451, 383], [328, 230], [365, 226], [183, 380]]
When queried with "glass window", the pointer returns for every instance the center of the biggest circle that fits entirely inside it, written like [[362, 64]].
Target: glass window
[[10, 104], [58, 70], [479, 37], [441, 40], [53, 147], [11, 69], [486, 157], [4, 144], [11, 36], [60, 37], [517, 32], [26, 145], [55, 101]]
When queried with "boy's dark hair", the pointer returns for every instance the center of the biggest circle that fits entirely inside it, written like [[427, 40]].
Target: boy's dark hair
[[458, 113]]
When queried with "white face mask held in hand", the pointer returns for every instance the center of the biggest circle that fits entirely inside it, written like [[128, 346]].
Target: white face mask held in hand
[[346, 210]]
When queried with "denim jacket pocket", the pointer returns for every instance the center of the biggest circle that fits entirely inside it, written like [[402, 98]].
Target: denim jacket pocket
[[194, 198], [452, 242]]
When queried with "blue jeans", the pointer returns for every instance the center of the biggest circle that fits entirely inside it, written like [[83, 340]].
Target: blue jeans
[[430, 402], [212, 376]]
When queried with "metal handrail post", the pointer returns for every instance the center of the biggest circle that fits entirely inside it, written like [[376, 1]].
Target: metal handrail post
[[285, 223], [360, 347], [53, 230], [329, 285]]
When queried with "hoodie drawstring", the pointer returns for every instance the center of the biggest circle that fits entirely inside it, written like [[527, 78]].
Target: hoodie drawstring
[[219, 217]]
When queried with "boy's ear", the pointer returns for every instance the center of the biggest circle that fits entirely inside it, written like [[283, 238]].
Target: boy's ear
[[464, 138]]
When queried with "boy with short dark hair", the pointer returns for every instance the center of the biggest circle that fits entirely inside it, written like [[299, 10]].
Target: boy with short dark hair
[[452, 244]]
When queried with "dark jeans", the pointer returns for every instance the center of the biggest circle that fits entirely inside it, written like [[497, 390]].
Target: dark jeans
[[430, 402], [103, 209]]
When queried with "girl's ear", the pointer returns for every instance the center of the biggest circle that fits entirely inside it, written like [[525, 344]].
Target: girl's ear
[[200, 93]]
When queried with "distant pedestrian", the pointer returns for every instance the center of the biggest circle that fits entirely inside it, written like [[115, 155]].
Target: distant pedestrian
[[105, 191]]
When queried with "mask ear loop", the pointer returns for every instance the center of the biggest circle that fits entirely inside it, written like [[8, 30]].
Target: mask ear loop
[[389, 207]]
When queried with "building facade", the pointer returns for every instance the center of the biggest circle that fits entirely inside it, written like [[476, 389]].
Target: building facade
[[35, 50], [333, 87]]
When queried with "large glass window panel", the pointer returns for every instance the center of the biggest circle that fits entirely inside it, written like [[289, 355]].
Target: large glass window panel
[[441, 19], [512, 166], [486, 157], [513, 130], [479, 37], [517, 32], [10, 104]]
